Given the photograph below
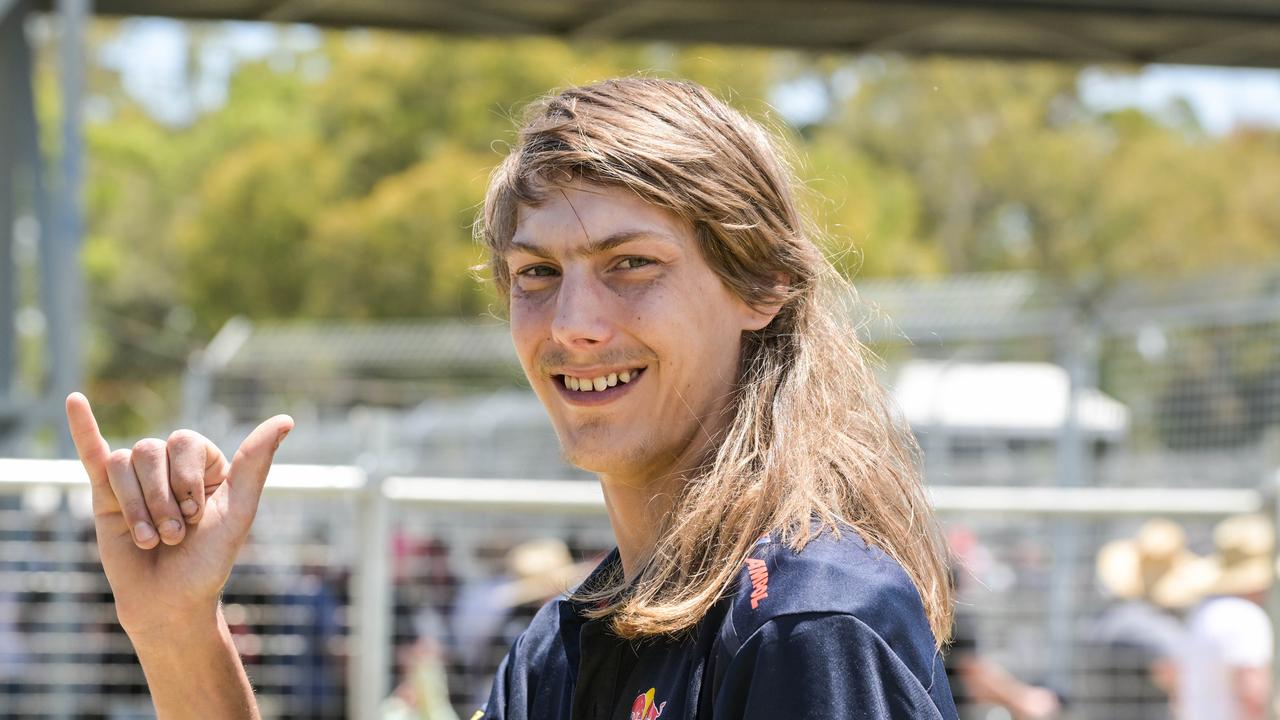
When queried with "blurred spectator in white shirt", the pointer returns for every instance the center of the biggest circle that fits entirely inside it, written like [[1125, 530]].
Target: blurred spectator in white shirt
[[1226, 662]]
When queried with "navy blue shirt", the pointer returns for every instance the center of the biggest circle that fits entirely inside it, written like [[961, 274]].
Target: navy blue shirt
[[836, 631]]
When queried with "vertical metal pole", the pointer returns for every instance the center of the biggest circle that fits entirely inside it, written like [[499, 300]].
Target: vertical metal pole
[[13, 45], [63, 301], [32, 164], [1080, 358], [369, 654], [65, 298]]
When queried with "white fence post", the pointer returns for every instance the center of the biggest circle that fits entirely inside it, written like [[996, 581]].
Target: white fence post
[[369, 655]]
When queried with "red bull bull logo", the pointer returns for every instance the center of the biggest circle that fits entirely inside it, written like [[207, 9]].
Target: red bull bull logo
[[644, 709]]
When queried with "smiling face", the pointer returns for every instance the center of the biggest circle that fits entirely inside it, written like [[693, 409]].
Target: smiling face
[[626, 334]]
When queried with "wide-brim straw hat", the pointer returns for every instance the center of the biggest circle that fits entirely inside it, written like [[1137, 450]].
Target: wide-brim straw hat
[[541, 569], [1141, 567], [1243, 563]]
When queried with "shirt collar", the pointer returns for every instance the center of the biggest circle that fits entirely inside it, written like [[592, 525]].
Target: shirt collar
[[611, 564]]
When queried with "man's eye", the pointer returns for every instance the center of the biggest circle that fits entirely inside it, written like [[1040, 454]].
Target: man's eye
[[537, 271], [632, 263]]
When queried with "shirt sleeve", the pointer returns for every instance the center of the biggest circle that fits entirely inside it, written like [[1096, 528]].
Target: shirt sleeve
[[819, 666]]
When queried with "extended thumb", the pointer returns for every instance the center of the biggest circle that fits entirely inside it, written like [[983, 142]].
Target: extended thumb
[[249, 467]]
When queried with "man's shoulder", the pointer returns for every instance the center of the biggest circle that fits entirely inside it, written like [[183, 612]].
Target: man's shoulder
[[542, 638], [837, 596], [831, 574]]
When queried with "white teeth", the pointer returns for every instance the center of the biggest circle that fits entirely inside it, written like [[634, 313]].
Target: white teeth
[[597, 384]]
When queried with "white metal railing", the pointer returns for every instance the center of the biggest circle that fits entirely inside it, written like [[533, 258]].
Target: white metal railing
[[1096, 501], [376, 495]]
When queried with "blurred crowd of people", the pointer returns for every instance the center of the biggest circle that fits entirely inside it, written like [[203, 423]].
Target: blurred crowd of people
[[1181, 636], [289, 614], [1190, 634], [450, 645]]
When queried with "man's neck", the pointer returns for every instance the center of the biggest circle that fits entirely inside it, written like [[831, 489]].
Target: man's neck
[[638, 504], [635, 512]]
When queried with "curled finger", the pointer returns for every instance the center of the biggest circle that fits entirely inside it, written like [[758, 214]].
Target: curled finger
[[151, 465], [124, 485], [188, 458]]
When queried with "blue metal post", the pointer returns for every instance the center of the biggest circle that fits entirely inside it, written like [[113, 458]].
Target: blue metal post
[[12, 47], [64, 297]]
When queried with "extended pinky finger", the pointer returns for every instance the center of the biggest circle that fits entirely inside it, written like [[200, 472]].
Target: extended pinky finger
[[124, 484]]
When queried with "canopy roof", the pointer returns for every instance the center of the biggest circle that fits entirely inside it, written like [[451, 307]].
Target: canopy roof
[[1003, 399], [1202, 32]]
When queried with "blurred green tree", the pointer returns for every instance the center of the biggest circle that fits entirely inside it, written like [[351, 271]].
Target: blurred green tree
[[341, 181]]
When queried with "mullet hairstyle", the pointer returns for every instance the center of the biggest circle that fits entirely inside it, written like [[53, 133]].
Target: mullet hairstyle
[[812, 436]]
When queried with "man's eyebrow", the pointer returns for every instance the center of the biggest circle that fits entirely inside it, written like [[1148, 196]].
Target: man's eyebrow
[[595, 247]]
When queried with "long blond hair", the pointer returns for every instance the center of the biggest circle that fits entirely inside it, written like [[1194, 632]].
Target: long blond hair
[[812, 435]]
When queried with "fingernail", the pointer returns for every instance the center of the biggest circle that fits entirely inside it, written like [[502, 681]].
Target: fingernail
[[143, 532], [189, 507], [170, 527]]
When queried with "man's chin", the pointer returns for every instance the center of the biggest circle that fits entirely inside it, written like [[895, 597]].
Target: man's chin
[[603, 455], [594, 461]]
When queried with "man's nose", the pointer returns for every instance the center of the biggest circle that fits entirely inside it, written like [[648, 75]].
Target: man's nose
[[582, 310]]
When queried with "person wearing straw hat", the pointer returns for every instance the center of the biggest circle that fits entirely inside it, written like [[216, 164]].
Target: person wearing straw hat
[[1134, 643], [670, 304], [539, 570], [1226, 664]]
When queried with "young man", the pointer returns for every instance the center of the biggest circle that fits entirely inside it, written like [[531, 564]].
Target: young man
[[776, 557]]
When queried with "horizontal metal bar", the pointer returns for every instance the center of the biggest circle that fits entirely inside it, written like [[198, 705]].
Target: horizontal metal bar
[[1095, 501], [315, 480], [577, 496], [17, 475], [1203, 314], [584, 496]]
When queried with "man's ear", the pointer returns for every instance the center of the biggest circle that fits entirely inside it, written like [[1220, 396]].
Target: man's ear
[[758, 317]]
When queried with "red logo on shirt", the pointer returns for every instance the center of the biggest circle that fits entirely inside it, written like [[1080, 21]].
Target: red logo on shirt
[[759, 581], [644, 709]]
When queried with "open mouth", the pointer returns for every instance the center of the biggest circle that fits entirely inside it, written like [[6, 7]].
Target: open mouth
[[599, 383]]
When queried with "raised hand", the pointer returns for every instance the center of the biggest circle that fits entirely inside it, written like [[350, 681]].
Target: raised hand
[[171, 516]]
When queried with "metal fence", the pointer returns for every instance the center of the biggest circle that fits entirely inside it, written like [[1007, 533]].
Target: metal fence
[[355, 587], [1177, 384]]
